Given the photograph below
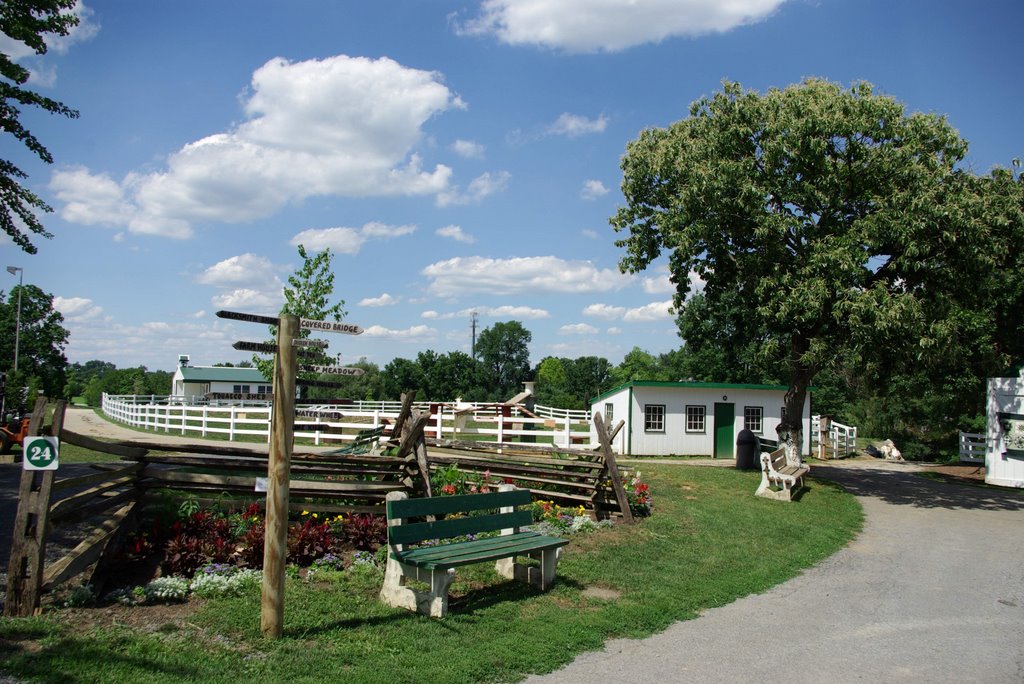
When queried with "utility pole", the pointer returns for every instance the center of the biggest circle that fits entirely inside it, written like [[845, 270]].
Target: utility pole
[[17, 326], [472, 322]]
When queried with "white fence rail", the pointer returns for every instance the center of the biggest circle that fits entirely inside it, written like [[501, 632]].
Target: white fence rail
[[972, 447], [332, 424], [842, 439]]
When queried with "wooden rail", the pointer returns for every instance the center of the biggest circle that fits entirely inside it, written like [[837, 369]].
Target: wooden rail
[[223, 475]]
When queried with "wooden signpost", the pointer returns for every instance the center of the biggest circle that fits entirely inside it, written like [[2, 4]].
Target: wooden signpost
[[289, 347]]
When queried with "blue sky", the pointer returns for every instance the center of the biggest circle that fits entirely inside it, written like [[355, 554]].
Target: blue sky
[[455, 156]]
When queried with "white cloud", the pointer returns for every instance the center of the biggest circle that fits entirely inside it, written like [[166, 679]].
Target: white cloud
[[248, 298], [655, 311], [384, 300], [507, 312], [577, 329], [574, 125], [77, 309], [605, 311], [590, 233], [609, 25], [660, 283], [522, 275], [245, 281], [339, 126], [242, 269], [614, 331], [592, 189], [91, 199], [480, 187], [416, 333], [456, 233], [343, 240], [468, 149]]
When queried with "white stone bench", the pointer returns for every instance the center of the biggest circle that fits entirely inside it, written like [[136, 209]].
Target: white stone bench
[[777, 472]]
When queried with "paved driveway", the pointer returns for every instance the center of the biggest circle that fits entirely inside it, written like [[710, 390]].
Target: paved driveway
[[931, 591]]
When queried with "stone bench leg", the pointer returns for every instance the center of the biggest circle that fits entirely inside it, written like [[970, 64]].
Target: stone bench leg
[[542, 578], [396, 594]]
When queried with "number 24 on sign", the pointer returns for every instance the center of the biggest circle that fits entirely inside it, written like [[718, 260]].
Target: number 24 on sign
[[40, 453]]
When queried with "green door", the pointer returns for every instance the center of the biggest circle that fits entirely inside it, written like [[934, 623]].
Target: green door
[[725, 417]]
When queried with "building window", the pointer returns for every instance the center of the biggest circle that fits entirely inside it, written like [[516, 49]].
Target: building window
[[695, 418], [753, 418], [263, 389], [654, 417], [609, 414], [241, 389]]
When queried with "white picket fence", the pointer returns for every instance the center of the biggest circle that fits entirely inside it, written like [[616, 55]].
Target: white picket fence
[[842, 439], [479, 421], [972, 447]]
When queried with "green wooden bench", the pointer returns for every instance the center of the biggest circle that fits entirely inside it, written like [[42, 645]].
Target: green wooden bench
[[366, 441], [435, 563]]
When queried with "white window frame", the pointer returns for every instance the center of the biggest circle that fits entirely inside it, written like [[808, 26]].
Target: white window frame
[[609, 414], [703, 413], [749, 413], [650, 418]]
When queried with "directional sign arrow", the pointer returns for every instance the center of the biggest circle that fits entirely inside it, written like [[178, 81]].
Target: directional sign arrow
[[319, 383], [265, 348], [330, 326], [332, 370], [248, 317], [320, 344]]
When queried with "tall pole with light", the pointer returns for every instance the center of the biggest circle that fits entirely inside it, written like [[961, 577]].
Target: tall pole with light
[[17, 325]]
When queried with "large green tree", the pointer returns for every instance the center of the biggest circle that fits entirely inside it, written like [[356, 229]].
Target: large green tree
[[30, 22], [504, 353], [839, 225], [41, 342]]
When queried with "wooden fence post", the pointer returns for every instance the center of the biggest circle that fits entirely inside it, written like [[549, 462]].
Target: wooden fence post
[[28, 542], [275, 544], [613, 468]]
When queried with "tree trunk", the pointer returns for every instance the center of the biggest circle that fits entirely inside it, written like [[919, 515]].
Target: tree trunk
[[791, 429]]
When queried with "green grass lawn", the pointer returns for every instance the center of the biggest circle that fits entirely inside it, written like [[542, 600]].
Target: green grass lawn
[[706, 545]]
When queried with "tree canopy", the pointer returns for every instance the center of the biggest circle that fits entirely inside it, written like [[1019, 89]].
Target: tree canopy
[[42, 365], [504, 351], [827, 224], [29, 22]]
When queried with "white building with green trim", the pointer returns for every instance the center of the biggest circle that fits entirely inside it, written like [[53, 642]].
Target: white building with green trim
[[693, 418], [219, 383]]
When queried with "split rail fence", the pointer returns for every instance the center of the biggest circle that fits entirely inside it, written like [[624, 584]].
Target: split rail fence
[[110, 501]]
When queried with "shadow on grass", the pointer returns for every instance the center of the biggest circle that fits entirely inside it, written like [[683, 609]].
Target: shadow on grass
[[467, 604], [909, 489], [58, 663]]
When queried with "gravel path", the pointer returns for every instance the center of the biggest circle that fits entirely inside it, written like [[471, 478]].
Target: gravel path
[[931, 591]]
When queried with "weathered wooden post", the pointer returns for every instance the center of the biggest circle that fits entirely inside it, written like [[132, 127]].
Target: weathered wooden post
[[604, 436], [824, 428], [275, 545]]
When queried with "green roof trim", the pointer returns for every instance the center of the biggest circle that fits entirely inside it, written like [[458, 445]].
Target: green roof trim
[[221, 374], [690, 385]]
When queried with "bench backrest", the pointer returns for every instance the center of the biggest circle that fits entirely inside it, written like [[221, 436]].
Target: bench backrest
[[777, 459], [410, 533]]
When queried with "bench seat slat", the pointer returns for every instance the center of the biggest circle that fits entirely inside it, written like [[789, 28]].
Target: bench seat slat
[[443, 505], [457, 527], [481, 550]]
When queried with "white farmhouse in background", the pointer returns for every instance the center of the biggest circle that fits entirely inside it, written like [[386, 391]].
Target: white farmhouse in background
[[219, 383], [693, 418]]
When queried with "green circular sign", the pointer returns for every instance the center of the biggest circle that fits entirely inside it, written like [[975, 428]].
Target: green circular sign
[[40, 453]]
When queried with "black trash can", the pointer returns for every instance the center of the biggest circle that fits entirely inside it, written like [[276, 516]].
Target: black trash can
[[748, 449]]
